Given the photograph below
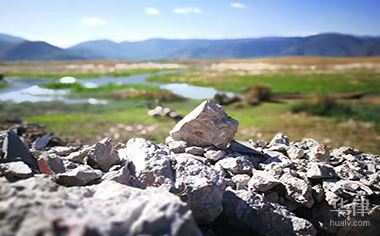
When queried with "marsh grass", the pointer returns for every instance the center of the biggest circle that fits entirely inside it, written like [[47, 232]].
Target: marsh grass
[[116, 91], [282, 82], [81, 75], [3, 85], [327, 106]]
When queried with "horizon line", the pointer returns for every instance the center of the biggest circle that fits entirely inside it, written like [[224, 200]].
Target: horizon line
[[191, 38]]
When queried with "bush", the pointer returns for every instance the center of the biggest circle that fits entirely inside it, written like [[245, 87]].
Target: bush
[[322, 105], [257, 94]]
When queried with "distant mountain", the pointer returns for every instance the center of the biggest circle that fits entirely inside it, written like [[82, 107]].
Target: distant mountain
[[329, 44], [10, 38], [98, 49], [16, 48]]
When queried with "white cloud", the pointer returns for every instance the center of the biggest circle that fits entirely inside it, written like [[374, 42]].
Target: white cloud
[[187, 11], [152, 11], [238, 5], [92, 21]]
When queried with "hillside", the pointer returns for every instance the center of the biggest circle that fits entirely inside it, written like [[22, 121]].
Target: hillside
[[332, 44]]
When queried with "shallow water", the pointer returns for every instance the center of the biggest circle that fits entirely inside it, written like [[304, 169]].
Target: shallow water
[[30, 90]]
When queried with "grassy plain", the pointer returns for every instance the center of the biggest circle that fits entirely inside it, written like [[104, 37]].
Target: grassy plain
[[345, 122]]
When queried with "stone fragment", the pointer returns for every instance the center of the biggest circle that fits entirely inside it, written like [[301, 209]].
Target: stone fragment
[[50, 164], [80, 156], [206, 125], [262, 181], [241, 181], [272, 197], [318, 192], [15, 150], [198, 151], [104, 154], [122, 176], [62, 150], [320, 171], [248, 212], [280, 142], [150, 162], [40, 207], [215, 155], [344, 171], [274, 157], [297, 190], [243, 148], [331, 198], [48, 140], [79, 176], [295, 153], [201, 186], [15, 170], [236, 165], [339, 152], [319, 153], [176, 146]]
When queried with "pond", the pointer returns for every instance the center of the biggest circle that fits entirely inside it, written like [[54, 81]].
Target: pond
[[31, 90]]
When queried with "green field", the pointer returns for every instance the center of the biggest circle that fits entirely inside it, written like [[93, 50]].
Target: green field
[[79, 75], [320, 110], [365, 82]]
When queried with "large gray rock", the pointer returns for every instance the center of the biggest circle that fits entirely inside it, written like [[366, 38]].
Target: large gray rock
[[200, 186], [150, 162], [40, 207], [15, 150], [79, 176], [298, 190], [248, 212], [206, 125]]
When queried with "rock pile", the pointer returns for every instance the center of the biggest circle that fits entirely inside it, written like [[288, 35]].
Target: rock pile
[[200, 181], [160, 111]]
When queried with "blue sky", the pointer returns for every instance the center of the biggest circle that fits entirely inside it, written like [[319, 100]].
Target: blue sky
[[66, 22]]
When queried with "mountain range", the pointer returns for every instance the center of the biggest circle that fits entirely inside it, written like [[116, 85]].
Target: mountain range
[[327, 44]]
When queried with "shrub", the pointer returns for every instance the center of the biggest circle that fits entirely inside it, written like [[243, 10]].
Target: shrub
[[257, 94]]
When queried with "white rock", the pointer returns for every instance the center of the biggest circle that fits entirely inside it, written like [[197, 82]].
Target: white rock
[[18, 170], [236, 165], [215, 155]]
